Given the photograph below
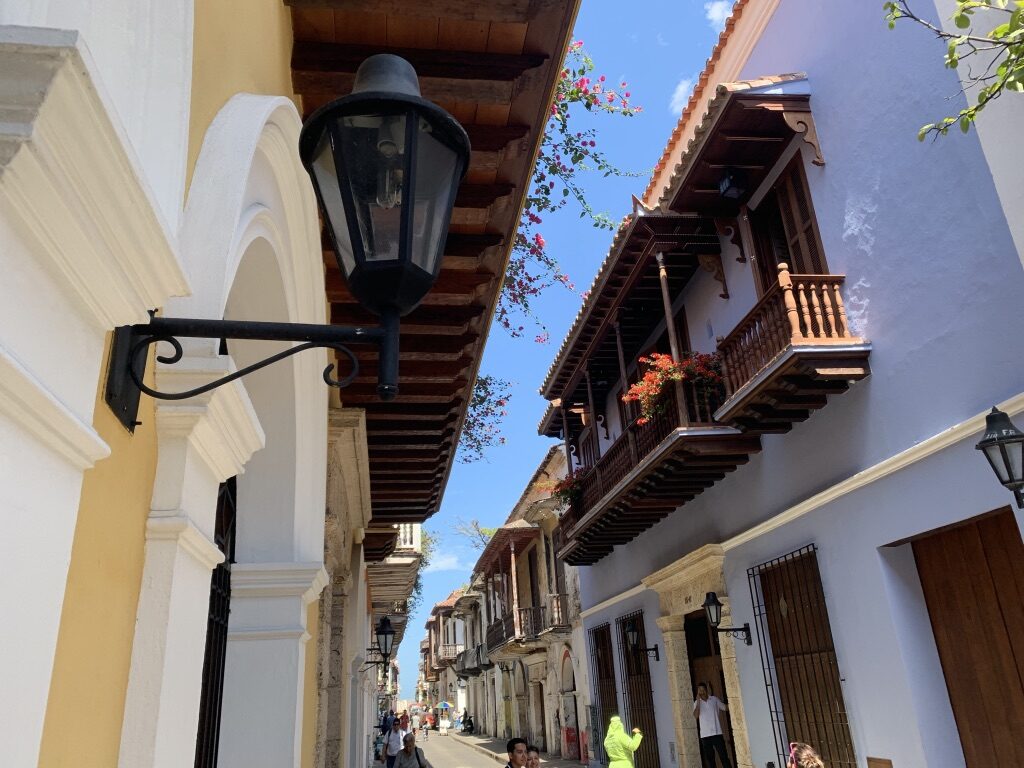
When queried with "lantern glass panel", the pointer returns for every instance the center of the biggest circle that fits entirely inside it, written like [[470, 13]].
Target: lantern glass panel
[[373, 150], [436, 175], [326, 172]]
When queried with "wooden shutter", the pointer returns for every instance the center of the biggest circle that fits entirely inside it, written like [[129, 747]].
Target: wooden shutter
[[794, 201]]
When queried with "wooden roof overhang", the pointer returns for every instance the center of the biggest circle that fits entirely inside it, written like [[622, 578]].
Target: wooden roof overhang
[[499, 548], [627, 290], [747, 127], [493, 66]]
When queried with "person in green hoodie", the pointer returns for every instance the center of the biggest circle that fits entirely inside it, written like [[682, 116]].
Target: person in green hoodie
[[618, 746]]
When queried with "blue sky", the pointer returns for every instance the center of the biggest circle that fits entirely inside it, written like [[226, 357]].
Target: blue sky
[[659, 51]]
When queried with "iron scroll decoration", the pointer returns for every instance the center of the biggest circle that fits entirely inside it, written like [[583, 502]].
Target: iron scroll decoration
[[141, 347]]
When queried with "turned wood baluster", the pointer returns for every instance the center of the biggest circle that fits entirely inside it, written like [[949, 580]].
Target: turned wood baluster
[[816, 306], [805, 309], [786, 283], [841, 309], [726, 370], [779, 323], [830, 315]]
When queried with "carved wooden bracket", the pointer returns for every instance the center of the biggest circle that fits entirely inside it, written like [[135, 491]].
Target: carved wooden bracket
[[802, 122], [729, 228], [712, 264]]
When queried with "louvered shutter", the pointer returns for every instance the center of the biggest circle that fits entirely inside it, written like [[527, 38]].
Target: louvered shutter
[[798, 219]]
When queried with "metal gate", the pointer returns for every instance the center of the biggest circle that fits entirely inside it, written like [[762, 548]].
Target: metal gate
[[217, 631], [636, 686], [801, 673]]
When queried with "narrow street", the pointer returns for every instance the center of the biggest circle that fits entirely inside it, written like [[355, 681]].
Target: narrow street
[[457, 751]]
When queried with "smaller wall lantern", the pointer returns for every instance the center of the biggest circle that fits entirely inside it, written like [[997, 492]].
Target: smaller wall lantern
[[1003, 446], [713, 610], [632, 630]]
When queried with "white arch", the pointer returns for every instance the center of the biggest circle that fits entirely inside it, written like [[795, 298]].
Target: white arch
[[249, 237]]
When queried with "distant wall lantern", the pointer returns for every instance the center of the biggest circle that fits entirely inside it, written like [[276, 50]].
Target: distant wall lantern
[[733, 184], [713, 610], [1003, 446], [633, 641], [385, 164]]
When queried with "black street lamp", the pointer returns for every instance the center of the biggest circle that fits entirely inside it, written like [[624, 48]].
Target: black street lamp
[[713, 610], [385, 638], [386, 165], [1003, 446], [633, 640]]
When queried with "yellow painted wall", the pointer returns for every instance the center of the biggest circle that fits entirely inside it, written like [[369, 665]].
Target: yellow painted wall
[[310, 686], [239, 46], [94, 646]]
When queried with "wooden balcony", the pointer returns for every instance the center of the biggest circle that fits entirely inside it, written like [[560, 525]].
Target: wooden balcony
[[467, 663], [791, 351], [448, 652], [651, 470]]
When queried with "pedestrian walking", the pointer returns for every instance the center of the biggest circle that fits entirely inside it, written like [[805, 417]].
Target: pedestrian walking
[[411, 756], [618, 746], [803, 756], [404, 720], [705, 711], [393, 743]]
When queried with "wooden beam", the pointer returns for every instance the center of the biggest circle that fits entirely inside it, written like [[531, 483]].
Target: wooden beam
[[436, 89], [494, 138], [453, 286], [313, 56], [425, 319], [481, 195], [494, 10]]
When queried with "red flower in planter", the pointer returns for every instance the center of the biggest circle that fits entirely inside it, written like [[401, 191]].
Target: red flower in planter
[[661, 369]]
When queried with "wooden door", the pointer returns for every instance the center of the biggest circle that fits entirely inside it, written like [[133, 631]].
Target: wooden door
[[973, 581]]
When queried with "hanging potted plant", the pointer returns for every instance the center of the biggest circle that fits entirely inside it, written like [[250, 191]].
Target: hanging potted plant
[[567, 490], [701, 369]]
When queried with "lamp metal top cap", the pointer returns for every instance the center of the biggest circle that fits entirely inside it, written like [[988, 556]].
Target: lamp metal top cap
[[998, 428], [387, 73]]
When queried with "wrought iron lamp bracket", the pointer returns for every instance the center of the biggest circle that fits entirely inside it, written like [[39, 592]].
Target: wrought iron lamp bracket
[[652, 651], [131, 344], [739, 633]]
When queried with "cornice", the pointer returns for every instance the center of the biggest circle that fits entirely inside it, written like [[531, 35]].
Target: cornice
[[178, 527], [348, 425], [72, 184], [28, 402], [222, 425], [305, 580]]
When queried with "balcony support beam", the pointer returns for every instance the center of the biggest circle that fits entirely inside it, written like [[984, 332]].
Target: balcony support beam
[[593, 416], [673, 339], [623, 381], [565, 436], [515, 591]]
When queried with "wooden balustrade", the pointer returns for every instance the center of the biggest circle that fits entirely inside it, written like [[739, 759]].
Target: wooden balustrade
[[639, 440], [797, 310], [558, 611], [531, 621], [496, 634]]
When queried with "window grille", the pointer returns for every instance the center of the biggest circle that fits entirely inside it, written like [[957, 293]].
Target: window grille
[[212, 694], [801, 674], [636, 686], [603, 679]]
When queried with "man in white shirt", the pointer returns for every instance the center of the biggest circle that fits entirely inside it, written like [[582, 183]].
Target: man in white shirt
[[393, 743], [705, 711]]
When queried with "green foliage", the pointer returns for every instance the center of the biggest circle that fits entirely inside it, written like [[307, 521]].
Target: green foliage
[[994, 59], [428, 545], [471, 530]]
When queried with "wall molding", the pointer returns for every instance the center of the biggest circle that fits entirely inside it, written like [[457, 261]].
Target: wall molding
[[970, 428], [624, 595], [30, 404], [305, 580], [90, 216], [179, 528]]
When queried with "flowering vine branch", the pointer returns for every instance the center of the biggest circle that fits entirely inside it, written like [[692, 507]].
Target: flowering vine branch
[[697, 367], [564, 154], [482, 428]]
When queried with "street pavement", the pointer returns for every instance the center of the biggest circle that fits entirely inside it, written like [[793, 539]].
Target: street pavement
[[464, 751]]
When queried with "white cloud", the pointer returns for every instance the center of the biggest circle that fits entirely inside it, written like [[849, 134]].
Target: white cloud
[[680, 95], [446, 562], [660, 40], [717, 11]]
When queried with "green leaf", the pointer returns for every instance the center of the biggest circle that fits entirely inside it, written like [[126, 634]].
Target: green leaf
[[961, 21], [965, 123]]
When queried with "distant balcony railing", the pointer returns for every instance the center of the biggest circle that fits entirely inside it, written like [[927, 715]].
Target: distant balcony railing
[[638, 440], [531, 621], [449, 651], [496, 634], [558, 611], [796, 310]]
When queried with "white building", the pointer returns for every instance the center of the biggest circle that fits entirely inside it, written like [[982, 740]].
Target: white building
[[858, 287]]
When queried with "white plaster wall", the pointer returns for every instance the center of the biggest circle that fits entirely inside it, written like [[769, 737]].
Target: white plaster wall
[[998, 127], [143, 53], [932, 281]]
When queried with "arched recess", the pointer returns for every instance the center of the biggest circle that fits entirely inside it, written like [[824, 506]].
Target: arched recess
[[568, 675], [251, 250], [250, 246]]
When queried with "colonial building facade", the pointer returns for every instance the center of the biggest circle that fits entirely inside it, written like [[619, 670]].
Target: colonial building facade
[[825, 484], [148, 162]]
